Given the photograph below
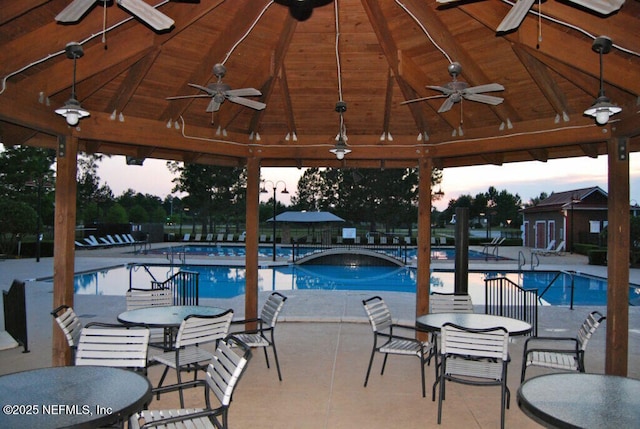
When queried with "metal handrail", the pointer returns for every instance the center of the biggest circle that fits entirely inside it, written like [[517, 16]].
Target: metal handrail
[[537, 259], [505, 298], [570, 274]]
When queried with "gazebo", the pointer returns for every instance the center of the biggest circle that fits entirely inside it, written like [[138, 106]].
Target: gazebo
[[347, 83]]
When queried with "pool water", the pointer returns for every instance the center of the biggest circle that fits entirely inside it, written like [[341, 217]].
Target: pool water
[[400, 252], [228, 282]]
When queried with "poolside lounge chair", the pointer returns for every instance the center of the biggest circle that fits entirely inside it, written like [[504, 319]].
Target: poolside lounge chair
[[476, 357], [222, 376], [209, 238], [565, 353], [266, 325], [230, 237], [198, 237], [187, 237], [220, 237], [558, 250], [263, 238], [544, 251], [387, 342]]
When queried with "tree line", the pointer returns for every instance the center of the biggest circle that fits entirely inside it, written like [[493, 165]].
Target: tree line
[[214, 197]]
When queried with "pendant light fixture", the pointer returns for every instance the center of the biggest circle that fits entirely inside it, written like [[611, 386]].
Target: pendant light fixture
[[602, 108], [341, 149], [72, 110]]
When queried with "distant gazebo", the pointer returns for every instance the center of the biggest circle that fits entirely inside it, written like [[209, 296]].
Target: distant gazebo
[[311, 219]]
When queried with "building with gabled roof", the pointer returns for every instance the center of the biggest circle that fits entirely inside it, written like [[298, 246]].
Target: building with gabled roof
[[574, 216]]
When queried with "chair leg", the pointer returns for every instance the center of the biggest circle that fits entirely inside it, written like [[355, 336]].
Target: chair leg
[[384, 363], [164, 374], [440, 398], [266, 356], [366, 379], [275, 357], [422, 362], [179, 378]]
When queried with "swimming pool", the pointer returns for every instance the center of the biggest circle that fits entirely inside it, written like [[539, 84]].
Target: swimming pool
[[266, 251], [228, 282]]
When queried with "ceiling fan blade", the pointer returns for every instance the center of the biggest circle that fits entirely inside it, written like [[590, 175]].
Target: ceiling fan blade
[[243, 92], [246, 102], [447, 105], [442, 89], [605, 7], [213, 106], [75, 10], [178, 97], [515, 16], [490, 87], [202, 88], [482, 98], [422, 99], [154, 18]]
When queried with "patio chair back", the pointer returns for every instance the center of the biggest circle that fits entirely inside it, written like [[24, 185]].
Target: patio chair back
[[226, 368], [105, 344], [588, 328], [272, 308], [378, 313], [197, 330], [450, 303], [69, 323], [474, 356], [141, 298]]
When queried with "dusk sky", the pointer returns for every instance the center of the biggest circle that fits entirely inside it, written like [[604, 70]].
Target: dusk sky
[[527, 179]]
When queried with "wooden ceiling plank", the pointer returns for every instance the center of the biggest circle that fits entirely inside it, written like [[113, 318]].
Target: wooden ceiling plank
[[543, 79]]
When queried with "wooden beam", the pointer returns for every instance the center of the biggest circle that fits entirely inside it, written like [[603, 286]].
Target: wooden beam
[[423, 278], [543, 79], [64, 244], [252, 228], [618, 244]]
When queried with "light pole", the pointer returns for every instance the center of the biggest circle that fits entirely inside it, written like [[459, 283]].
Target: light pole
[[263, 190], [574, 200], [38, 184]]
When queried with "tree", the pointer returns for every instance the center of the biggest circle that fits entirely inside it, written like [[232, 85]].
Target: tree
[[93, 199], [16, 218], [213, 192]]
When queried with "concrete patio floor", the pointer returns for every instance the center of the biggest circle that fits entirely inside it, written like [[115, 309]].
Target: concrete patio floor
[[324, 341]]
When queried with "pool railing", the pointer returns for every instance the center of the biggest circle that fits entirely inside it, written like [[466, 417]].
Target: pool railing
[[503, 297]]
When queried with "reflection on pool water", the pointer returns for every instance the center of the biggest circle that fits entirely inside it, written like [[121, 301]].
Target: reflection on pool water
[[227, 282]]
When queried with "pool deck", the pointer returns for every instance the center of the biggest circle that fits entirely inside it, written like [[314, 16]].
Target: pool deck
[[324, 342]]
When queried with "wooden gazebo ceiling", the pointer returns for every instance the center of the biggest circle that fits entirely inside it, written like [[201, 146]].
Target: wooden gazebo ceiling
[[385, 58]]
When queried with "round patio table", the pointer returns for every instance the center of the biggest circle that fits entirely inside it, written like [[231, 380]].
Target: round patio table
[[434, 321], [71, 396], [579, 400], [166, 316]]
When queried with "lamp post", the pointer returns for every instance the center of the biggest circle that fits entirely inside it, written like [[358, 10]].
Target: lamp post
[[38, 184], [264, 191], [574, 200]]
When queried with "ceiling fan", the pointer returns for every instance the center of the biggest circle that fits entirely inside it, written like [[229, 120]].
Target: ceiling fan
[[521, 7], [456, 90], [219, 91], [145, 12]]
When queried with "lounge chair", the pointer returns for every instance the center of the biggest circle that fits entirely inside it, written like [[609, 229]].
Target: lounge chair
[[558, 250], [220, 237], [187, 237], [549, 248], [263, 238], [209, 238], [198, 237], [230, 237]]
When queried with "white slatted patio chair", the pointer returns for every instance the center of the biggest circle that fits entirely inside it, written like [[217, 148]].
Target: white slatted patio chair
[[475, 357], [263, 335], [70, 325], [450, 303], [564, 353], [387, 342], [189, 354], [106, 344], [445, 303], [141, 298], [221, 379]]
